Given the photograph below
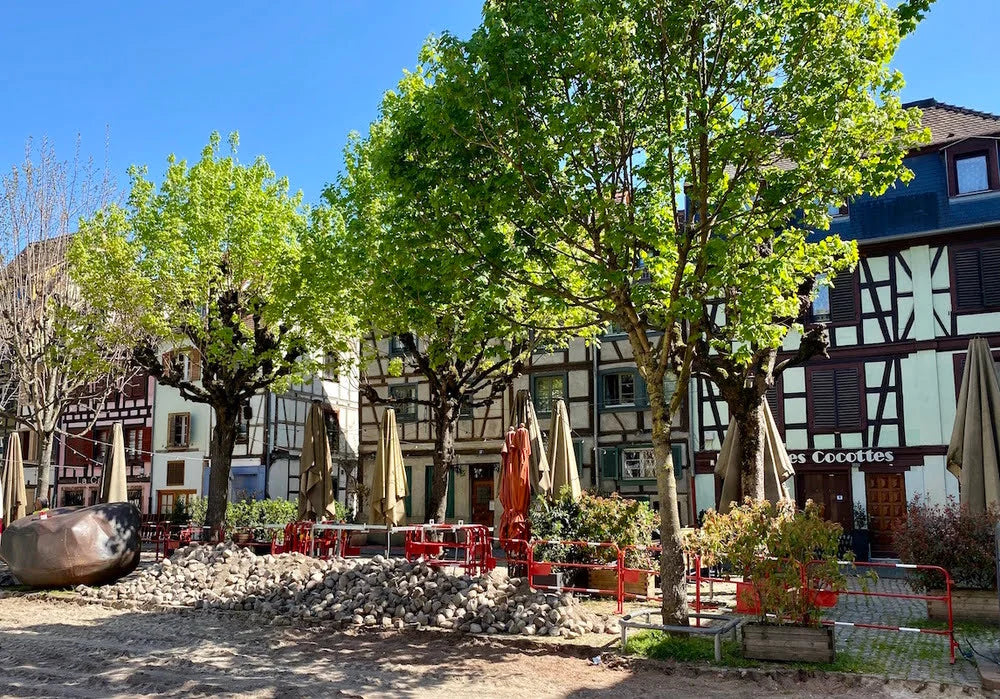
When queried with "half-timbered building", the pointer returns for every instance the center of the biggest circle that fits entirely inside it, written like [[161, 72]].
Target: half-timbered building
[[867, 428], [601, 388], [81, 452]]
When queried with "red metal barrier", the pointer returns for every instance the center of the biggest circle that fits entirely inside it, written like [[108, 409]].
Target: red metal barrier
[[946, 598], [474, 552], [545, 568]]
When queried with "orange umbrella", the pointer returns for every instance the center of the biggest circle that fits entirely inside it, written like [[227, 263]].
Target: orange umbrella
[[515, 486]]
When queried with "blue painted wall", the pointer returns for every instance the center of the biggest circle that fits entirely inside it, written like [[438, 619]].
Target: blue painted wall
[[919, 206]]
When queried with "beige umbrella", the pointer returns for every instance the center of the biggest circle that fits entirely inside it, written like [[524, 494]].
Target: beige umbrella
[[973, 452], [562, 458], [15, 499], [113, 487], [539, 473], [316, 497], [389, 486], [777, 465]]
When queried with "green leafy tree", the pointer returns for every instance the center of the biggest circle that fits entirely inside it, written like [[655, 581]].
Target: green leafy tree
[[464, 330], [596, 122], [223, 265]]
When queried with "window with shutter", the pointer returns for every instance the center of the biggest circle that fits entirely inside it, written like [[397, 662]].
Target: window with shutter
[[968, 285], [775, 404], [976, 278], [175, 473], [843, 301], [835, 397], [178, 430]]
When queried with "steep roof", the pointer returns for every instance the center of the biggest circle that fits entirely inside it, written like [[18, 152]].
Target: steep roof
[[949, 123]]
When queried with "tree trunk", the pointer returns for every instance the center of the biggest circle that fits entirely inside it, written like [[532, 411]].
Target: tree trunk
[[445, 428], [220, 456], [750, 419], [673, 575], [44, 479]]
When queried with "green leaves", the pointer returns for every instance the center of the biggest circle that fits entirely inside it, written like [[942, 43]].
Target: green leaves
[[222, 257]]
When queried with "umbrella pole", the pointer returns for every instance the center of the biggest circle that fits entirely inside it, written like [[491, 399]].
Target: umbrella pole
[[388, 533]]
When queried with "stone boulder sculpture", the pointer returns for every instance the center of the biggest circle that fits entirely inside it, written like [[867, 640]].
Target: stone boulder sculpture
[[73, 545]]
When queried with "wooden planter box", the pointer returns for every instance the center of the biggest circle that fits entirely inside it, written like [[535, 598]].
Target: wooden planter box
[[966, 605], [792, 643], [636, 582]]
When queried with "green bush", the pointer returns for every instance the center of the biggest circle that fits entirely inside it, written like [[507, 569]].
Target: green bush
[[613, 519], [250, 513], [772, 545], [952, 537]]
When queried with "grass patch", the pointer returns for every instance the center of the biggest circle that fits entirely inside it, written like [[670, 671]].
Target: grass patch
[[658, 645], [663, 646]]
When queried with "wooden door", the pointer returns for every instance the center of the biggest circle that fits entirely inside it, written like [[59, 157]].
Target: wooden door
[[482, 495], [832, 491], [886, 499]]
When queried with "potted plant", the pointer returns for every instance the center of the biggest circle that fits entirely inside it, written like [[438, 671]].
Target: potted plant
[[789, 562], [557, 520], [628, 524], [961, 542], [240, 520], [861, 534]]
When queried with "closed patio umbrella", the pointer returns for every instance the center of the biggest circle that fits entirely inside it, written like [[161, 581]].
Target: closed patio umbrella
[[113, 485], [389, 487], [316, 497], [973, 452], [777, 465], [15, 500], [539, 473], [562, 458], [515, 485]]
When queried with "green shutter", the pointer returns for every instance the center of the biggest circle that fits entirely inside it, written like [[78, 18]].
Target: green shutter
[[609, 463], [408, 500], [641, 394], [428, 480], [678, 453], [600, 390], [578, 451], [669, 386]]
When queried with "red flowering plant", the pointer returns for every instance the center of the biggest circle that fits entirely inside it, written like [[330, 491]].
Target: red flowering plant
[[953, 537], [788, 557]]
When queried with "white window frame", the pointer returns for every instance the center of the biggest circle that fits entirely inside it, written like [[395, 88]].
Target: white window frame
[[645, 461], [621, 403]]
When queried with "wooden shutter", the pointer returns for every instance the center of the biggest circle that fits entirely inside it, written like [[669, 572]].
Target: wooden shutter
[[175, 473], [968, 285], [641, 394], [990, 276], [449, 510], [609, 463], [677, 453], [848, 398], [578, 453], [77, 450], [822, 394], [194, 357], [843, 302], [408, 500], [775, 405]]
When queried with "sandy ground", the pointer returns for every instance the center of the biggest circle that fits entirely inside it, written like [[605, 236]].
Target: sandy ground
[[56, 648]]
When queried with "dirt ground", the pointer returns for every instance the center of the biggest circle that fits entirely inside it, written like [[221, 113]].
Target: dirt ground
[[56, 648]]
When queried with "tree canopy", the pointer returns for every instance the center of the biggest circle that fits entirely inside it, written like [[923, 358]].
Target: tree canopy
[[466, 329], [221, 261], [646, 157]]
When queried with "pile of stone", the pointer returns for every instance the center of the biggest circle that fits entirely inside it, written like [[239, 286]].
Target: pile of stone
[[376, 592]]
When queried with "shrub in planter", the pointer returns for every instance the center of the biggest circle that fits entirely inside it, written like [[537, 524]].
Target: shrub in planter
[[961, 542], [773, 545], [621, 521]]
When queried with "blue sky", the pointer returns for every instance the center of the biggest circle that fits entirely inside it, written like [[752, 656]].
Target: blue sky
[[295, 78]]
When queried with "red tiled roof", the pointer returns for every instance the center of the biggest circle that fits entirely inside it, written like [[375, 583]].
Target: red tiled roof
[[949, 123]]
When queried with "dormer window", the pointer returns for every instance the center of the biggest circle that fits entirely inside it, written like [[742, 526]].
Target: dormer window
[[971, 173], [972, 167]]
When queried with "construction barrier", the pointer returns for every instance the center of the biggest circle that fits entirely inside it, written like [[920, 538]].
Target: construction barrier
[[538, 569], [472, 546], [946, 598]]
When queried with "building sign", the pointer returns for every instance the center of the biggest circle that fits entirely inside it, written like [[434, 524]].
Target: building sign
[[842, 456]]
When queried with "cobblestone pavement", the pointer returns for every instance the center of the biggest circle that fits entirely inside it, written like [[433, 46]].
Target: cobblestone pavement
[[894, 654]]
